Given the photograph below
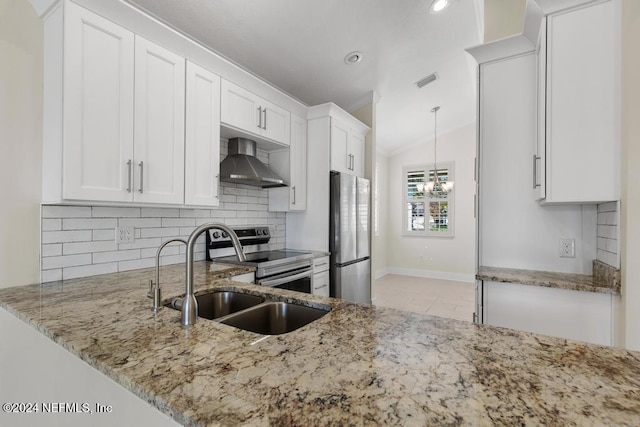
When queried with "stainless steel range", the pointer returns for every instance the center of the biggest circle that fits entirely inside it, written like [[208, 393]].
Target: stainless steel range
[[284, 268]]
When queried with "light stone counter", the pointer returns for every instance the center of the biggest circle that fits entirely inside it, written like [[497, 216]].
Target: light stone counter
[[358, 365]]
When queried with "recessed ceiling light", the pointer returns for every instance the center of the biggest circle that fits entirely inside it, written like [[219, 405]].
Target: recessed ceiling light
[[438, 6], [353, 57]]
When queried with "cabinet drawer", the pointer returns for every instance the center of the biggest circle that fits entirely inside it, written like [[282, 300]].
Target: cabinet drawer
[[320, 264], [321, 284]]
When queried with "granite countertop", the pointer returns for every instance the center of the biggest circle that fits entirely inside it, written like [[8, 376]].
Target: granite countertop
[[357, 365], [575, 282]]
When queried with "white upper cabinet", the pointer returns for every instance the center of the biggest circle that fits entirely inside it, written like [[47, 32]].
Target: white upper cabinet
[[582, 119], [347, 148], [202, 137], [159, 124], [252, 115], [291, 165], [97, 140]]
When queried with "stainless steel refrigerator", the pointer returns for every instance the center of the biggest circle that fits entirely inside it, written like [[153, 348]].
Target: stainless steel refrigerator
[[349, 238]]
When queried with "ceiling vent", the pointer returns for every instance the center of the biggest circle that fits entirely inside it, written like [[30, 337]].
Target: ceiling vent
[[425, 81]]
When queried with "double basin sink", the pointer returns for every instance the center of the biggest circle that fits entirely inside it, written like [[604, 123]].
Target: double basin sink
[[254, 313]]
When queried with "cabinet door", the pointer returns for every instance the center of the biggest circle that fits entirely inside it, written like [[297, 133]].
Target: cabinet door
[[276, 122], [298, 164], [159, 124], [240, 108], [98, 108], [356, 150], [583, 104], [321, 284], [202, 137], [540, 158], [340, 160]]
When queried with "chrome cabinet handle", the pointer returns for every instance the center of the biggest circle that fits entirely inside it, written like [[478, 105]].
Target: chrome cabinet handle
[[535, 171], [259, 117], [294, 195], [129, 175], [141, 189], [264, 126]]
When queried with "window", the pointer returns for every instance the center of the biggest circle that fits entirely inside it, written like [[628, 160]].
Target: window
[[423, 214]]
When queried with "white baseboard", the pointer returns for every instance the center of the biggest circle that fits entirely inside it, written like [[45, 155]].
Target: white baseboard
[[414, 272]]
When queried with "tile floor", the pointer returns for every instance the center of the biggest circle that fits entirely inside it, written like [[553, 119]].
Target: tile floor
[[444, 298]]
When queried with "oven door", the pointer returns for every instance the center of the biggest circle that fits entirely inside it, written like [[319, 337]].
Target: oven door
[[298, 280]]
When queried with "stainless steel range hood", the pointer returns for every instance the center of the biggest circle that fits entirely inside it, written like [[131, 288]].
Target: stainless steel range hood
[[242, 166]]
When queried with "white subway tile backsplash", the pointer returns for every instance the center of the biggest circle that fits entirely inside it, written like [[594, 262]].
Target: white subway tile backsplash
[[136, 264], [54, 249], [89, 223], [104, 235], [51, 224], [49, 263], [190, 213], [66, 236], [88, 247], [140, 222], [159, 232], [608, 244], [608, 231], [113, 212], [161, 212], [178, 222], [79, 241], [152, 242], [89, 270], [66, 211], [102, 257], [51, 275]]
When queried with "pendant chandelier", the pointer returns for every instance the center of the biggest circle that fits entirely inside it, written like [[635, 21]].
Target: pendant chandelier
[[435, 188]]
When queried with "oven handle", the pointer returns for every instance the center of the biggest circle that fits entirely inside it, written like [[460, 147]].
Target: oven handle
[[275, 282]]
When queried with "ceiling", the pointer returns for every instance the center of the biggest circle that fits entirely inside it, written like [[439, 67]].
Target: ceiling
[[300, 46]]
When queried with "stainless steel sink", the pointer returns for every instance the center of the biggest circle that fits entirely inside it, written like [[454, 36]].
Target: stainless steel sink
[[223, 303], [274, 318]]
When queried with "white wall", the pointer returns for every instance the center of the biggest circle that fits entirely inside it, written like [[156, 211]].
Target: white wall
[[380, 218], [503, 18], [441, 257], [20, 141], [630, 206]]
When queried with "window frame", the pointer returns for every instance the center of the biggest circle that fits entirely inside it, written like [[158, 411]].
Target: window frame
[[428, 168]]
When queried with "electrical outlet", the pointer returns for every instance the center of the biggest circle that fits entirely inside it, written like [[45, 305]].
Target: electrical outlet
[[567, 248], [124, 235]]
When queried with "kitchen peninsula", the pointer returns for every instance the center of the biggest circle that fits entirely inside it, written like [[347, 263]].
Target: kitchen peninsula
[[358, 364]]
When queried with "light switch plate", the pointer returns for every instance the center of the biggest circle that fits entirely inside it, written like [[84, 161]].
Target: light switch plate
[[567, 248], [124, 235]]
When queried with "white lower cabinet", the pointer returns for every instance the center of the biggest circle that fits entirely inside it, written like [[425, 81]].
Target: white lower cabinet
[[30, 358], [321, 276], [577, 315]]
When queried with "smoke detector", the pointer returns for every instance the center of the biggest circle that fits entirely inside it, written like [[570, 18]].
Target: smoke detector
[[353, 57]]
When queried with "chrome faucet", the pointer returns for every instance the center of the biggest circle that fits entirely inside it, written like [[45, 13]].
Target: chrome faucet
[[189, 303], [154, 289]]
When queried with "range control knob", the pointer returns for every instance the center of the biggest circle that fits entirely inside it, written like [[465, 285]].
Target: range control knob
[[258, 232], [216, 234], [224, 234], [265, 232]]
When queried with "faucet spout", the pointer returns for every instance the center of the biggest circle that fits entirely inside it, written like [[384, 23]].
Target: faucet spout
[[189, 303]]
